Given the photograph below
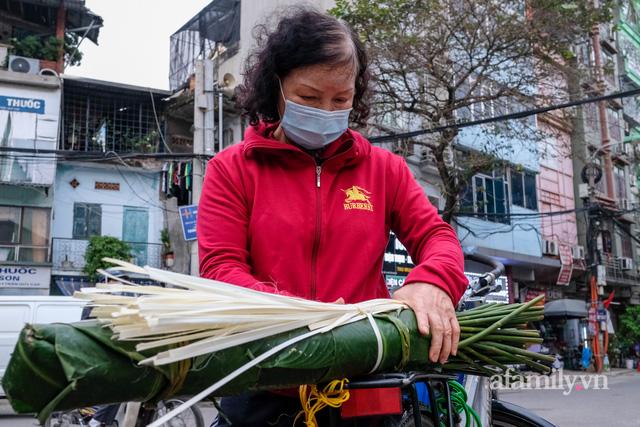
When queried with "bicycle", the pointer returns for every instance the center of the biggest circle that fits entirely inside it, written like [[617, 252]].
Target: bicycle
[[145, 415], [444, 397]]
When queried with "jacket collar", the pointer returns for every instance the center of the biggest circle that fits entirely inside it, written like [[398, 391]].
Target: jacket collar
[[350, 148]]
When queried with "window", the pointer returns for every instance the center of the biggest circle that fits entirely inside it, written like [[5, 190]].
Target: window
[[620, 182], [87, 220], [624, 233], [488, 195], [613, 119], [591, 116], [486, 103], [492, 194], [24, 234], [523, 190], [10, 224], [607, 243]]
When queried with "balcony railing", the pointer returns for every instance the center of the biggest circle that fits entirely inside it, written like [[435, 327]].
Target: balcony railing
[[68, 254], [615, 273]]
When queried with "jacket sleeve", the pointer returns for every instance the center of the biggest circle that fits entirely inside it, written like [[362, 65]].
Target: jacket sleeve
[[431, 242], [223, 218]]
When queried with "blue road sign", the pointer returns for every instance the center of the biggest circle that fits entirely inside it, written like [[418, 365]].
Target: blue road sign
[[188, 215]]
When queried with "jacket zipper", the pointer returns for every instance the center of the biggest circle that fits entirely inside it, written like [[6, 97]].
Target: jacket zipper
[[316, 242]]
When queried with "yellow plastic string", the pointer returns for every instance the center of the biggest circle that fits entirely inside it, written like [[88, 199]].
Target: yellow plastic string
[[333, 394]]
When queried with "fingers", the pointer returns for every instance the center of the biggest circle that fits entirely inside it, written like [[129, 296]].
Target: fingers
[[455, 335], [435, 316], [446, 340], [437, 336], [339, 301], [423, 322]]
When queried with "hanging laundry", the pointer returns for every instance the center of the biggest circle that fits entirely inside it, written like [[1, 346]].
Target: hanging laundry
[[189, 172]]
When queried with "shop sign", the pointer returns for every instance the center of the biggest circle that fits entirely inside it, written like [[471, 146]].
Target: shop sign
[[566, 266], [24, 277], [397, 260], [23, 105]]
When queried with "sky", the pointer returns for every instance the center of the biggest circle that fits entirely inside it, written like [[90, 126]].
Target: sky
[[134, 41]]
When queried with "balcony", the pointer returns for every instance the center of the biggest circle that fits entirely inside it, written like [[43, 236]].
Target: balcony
[[616, 275], [629, 44], [68, 254], [106, 116], [213, 32]]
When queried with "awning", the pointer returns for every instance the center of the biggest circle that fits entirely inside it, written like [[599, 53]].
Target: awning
[[80, 19], [569, 308]]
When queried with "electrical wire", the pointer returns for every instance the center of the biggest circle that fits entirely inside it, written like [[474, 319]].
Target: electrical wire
[[155, 115], [100, 156], [505, 117]]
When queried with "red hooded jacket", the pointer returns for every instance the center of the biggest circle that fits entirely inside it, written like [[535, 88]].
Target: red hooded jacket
[[273, 218]]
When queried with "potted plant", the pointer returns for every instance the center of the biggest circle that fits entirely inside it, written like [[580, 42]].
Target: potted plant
[[48, 49], [169, 257], [101, 247]]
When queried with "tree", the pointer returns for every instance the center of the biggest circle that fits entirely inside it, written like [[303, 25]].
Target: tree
[[440, 62], [629, 330], [101, 247]]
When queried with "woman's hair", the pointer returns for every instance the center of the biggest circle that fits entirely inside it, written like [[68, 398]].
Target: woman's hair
[[302, 38]]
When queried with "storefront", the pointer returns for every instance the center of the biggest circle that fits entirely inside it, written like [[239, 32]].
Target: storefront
[[29, 117]]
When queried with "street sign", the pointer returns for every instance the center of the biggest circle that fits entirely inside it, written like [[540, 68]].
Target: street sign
[[188, 217], [601, 315], [23, 105]]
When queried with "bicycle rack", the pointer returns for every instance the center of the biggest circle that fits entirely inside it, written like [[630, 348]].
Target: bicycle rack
[[407, 381]]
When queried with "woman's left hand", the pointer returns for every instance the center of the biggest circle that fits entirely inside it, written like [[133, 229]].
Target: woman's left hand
[[436, 316]]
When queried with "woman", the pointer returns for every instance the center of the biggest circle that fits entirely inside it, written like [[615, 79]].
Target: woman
[[304, 205]]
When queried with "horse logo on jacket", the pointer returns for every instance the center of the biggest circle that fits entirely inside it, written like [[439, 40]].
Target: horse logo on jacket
[[357, 198]]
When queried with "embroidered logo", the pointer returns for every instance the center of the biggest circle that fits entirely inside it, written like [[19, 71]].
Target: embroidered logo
[[357, 198]]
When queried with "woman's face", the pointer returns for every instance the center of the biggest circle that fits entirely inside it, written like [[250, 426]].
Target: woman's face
[[329, 88]]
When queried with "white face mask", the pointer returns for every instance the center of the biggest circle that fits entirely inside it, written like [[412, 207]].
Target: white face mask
[[312, 128]]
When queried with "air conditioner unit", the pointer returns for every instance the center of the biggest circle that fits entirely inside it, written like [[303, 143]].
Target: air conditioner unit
[[577, 252], [20, 64], [626, 264], [625, 204], [550, 248]]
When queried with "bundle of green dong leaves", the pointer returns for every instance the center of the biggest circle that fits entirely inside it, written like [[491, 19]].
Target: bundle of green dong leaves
[[210, 338]]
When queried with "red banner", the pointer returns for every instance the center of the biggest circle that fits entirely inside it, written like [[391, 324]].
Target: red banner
[[566, 265]]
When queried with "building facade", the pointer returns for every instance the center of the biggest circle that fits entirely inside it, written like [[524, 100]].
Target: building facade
[[29, 117]]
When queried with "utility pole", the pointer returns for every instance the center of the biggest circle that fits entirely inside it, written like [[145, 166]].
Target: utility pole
[[203, 137], [595, 260], [595, 218]]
